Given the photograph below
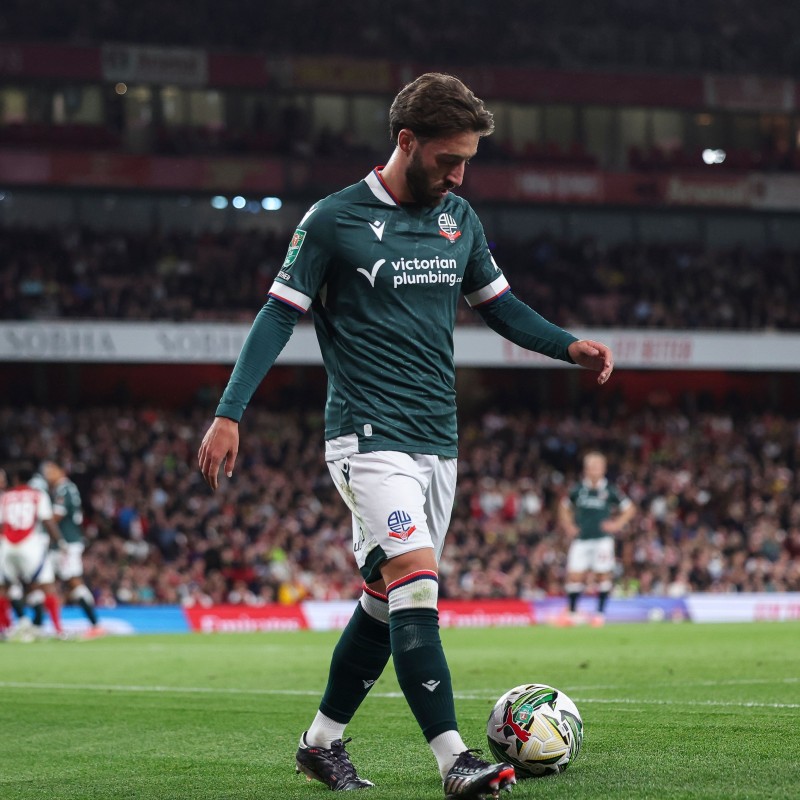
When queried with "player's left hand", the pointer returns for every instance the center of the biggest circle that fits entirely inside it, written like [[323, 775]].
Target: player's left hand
[[593, 355]]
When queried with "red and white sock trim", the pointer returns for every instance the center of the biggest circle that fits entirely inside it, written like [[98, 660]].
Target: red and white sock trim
[[375, 604], [411, 577], [417, 590]]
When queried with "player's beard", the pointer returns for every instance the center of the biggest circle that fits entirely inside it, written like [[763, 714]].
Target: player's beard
[[419, 183]]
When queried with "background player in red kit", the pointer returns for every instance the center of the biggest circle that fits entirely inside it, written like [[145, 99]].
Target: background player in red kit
[[26, 530]]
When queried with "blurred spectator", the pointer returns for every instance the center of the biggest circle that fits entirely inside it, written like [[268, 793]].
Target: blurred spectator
[[82, 274], [719, 500]]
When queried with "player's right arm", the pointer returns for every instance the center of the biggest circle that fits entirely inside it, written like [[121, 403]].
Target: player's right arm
[[566, 517], [270, 332], [297, 283]]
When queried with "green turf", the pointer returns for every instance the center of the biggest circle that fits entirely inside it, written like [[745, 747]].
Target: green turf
[[671, 711]]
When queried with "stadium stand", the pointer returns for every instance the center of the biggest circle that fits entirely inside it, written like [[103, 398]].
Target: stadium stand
[[83, 274], [717, 488], [733, 35], [717, 492]]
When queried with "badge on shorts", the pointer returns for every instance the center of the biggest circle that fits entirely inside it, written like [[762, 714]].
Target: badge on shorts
[[400, 526], [294, 248]]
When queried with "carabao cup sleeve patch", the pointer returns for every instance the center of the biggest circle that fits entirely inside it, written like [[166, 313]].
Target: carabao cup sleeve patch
[[298, 238]]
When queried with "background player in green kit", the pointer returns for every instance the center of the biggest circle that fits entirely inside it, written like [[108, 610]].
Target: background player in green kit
[[592, 513], [68, 559], [383, 265]]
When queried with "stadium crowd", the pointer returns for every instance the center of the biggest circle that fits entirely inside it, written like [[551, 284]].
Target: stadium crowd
[[83, 274], [718, 499], [730, 35]]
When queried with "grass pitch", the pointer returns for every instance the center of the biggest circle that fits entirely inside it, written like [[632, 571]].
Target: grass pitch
[[671, 711]]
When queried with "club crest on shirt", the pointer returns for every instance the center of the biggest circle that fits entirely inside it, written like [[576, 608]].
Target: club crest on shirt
[[294, 248], [448, 228]]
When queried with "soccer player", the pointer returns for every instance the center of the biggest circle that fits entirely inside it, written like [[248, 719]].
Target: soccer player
[[5, 605], [68, 566], [592, 513], [383, 264], [25, 514]]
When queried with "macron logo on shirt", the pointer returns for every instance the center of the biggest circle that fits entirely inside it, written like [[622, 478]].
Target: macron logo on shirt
[[377, 228]]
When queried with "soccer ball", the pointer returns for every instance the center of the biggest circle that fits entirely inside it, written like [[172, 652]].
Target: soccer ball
[[535, 728]]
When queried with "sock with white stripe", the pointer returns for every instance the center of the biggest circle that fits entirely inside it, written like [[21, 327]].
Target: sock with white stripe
[[419, 660]]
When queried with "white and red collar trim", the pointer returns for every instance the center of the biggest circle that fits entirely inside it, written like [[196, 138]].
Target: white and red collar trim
[[379, 188]]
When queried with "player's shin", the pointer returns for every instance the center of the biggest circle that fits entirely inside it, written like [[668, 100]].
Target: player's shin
[[83, 597], [358, 660], [420, 663], [35, 600], [604, 590]]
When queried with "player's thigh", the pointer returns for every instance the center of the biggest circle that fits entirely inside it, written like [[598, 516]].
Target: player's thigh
[[30, 561], [385, 491], [579, 556], [603, 555], [441, 474], [69, 562]]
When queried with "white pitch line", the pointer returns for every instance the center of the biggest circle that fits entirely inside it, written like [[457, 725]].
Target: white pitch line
[[90, 687]]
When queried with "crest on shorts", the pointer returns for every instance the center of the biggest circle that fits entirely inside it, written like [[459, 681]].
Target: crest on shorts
[[400, 525], [448, 228], [294, 248]]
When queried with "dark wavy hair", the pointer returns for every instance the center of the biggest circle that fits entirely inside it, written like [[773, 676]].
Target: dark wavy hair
[[436, 105]]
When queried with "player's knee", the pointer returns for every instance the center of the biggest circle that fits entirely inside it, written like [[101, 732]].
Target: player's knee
[[417, 589], [80, 592], [375, 603], [421, 560], [35, 597]]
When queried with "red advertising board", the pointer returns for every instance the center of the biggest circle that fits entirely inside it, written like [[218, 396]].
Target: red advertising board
[[485, 613], [245, 619], [335, 615]]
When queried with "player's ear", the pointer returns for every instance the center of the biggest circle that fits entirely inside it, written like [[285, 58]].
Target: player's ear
[[405, 140]]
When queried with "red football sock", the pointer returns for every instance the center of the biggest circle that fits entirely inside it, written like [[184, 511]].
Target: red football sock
[[53, 609], [5, 613]]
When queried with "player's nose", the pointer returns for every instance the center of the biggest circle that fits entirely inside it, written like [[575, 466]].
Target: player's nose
[[456, 176]]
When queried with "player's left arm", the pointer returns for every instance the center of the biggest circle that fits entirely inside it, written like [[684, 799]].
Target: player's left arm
[[627, 511], [516, 321], [47, 518], [520, 324]]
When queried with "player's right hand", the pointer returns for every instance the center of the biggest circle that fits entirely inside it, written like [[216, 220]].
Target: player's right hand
[[221, 443]]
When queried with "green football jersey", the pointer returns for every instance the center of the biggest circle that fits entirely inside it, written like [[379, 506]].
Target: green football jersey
[[384, 280], [592, 505], [67, 501]]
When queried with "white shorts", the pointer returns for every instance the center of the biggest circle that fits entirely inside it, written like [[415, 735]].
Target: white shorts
[[400, 502], [591, 555], [27, 561], [68, 561]]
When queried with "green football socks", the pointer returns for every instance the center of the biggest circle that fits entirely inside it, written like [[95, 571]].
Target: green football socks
[[419, 659], [358, 661]]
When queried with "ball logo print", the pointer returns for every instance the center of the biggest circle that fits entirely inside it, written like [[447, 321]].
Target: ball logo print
[[448, 228], [400, 525]]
